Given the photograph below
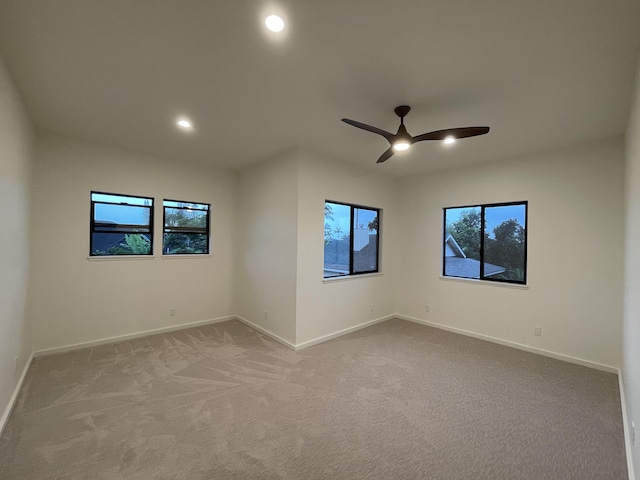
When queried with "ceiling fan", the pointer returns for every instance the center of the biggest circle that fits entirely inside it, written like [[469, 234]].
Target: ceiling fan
[[402, 140]]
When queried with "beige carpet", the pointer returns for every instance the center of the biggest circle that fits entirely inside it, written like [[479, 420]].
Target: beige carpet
[[393, 401]]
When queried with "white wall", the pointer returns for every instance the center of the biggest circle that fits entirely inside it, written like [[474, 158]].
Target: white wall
[[15, 164], [265, 277], [631, 326], [575, 256], [76, 300], [327, 307]]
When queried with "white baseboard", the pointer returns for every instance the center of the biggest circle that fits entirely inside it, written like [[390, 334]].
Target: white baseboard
[[625, 426], [508, 343], [309, 343], [266, 332], [129, 336], [340, 333], [315, 341], [14, 397]]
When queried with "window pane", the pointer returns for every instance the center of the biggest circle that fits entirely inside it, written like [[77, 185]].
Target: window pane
[[504, 244], [462, 242], [122, 214], [121, 225], [185, 228], [337, 220], [365, 244], [199, 206], [179, 217], [120, 244], [185, 243]]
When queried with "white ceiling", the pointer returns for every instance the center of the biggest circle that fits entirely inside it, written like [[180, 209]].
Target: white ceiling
[[543, 74]]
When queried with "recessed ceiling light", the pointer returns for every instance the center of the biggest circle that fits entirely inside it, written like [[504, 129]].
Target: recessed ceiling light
[[449, 140], [184, 124], [274, 23]]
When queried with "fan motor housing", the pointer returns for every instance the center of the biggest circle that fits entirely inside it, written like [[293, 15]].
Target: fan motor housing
[[402, 110]]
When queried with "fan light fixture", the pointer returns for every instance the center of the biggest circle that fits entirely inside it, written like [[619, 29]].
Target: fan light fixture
[[274, 23], [449, 140], [401, 146]]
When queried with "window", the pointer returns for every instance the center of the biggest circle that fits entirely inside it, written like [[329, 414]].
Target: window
[[120, 225], [351, 239], [186, 228], [486, 242]]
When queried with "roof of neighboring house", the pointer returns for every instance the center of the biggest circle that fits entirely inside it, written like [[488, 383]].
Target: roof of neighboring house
[[103, 241], [469, 268], [454, 246], [336, 255], [461, 266], [367, 258]]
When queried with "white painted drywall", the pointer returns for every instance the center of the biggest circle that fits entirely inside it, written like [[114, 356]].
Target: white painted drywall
[[265, 270], [575, 248], [76, 300], [16, 140], [631, 326], [327, 307]]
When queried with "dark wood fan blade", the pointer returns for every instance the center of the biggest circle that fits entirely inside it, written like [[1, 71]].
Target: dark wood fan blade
[[369, 128], [386, 155], [463, 132]]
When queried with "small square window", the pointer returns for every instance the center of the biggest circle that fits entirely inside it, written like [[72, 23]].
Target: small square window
[[120, 225], [186, 228]]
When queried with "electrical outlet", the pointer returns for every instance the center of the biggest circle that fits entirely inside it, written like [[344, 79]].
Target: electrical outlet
[[427, 308], [172, 312], [633, 433], [372, 307], [537, 331], [15, 362]]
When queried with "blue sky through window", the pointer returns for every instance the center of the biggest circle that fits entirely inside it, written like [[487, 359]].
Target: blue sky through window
[[121, 209], [340, 225], [119, 199], [494, 216], [362, 217]]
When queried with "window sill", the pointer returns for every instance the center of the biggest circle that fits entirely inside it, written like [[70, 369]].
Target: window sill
[[485, 282], [178, 256], [350, 277], [112, 258]]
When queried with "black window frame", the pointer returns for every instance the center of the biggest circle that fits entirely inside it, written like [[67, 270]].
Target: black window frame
[[352, 207], [483, 207], [186, 230], [93, 225]]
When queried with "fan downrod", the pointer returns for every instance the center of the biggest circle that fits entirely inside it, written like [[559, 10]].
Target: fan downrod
[[402, 110]]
